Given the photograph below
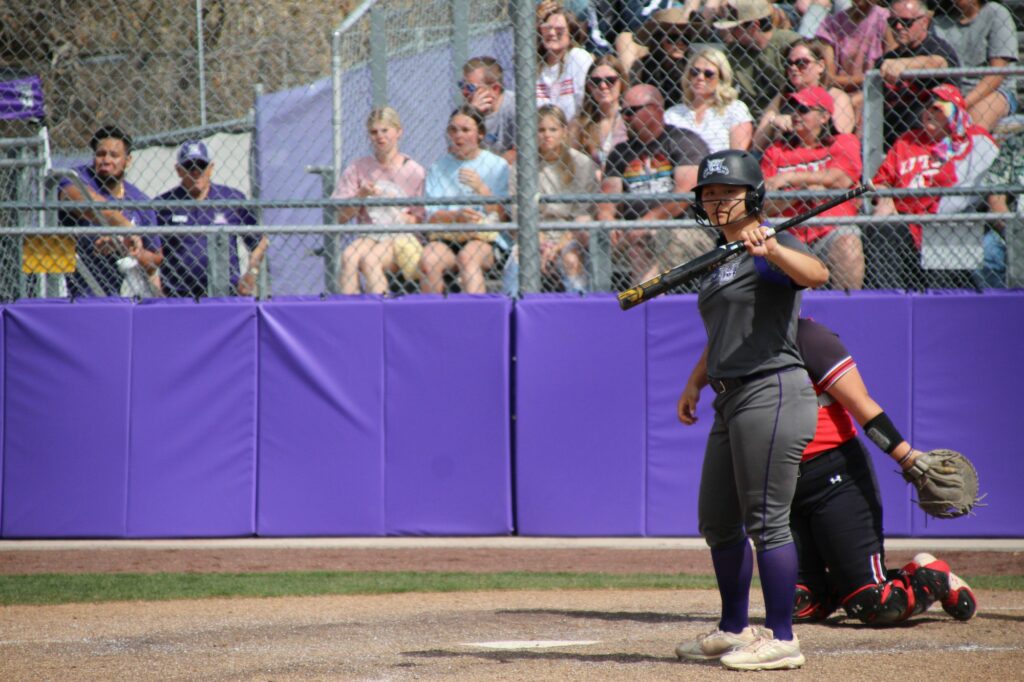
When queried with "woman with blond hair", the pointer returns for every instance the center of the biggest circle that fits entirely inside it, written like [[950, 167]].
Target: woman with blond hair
[[367, 260], [599, 125], [710, 106]]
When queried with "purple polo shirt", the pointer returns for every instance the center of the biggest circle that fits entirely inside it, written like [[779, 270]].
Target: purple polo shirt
[[183, 272]]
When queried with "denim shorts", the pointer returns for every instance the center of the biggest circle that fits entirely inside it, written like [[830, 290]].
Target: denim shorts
[[1011, 97]]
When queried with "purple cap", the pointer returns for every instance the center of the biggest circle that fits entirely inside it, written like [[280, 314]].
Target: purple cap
[[193, 151]]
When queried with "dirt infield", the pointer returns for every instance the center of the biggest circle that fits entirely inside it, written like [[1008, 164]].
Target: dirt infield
[[570, 635]]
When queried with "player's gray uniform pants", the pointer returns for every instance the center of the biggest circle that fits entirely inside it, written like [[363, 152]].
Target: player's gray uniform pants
[[753, 457]]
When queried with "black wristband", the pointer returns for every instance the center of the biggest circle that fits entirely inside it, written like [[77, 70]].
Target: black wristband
[[882, 433]]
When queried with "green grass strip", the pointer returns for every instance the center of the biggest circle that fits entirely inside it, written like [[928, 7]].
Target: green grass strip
[[53, 588]]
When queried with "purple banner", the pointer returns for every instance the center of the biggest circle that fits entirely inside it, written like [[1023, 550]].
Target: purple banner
[[580, 428], [321, 417], [448, 452], [66, 418], [192, 465], [22, 99]]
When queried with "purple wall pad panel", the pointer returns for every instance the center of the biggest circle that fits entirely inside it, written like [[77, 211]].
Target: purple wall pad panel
[[448, 453], [580, 406], [66, 419], [876, 328], [967, 371], [321, 461], [192, 454], [675, 453]]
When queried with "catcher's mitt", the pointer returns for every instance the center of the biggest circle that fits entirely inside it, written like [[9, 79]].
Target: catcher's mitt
[[946, 482]]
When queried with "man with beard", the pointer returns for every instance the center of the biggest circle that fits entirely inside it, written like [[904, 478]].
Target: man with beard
[[122, 265], [667, 35]]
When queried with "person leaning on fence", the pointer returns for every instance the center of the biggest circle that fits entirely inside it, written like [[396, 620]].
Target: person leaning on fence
[[483, 87], [656, 159], [805, 68], [667, 37], [710, 106], [983, 33], [917, 47], [186, 265], [599, 126], [369, 259], [466, 170], [562, 170], [946, 150], [111, 266], [756, 52], [562, 66], [814, 156], [1007, 169]]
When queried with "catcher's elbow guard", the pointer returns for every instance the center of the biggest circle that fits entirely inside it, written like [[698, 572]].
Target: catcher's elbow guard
[[883, 433]]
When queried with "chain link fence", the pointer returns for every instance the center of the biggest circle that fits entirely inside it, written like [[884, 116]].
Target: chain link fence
[[202, 148]]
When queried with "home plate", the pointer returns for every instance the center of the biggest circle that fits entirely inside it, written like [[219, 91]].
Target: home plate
[[531, 644]]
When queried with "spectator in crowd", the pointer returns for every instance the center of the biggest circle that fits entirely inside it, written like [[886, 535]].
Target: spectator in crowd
[[917, 47], [805, 68], [186, 262], [599, 126], [656, 159], [667, 37], [816, 156], [369, 259], [562, 65], [466, 170], [710, 106], [947, 150], [756, 50], [610, 26], [125, 265], [856, 38], [1007, 169], [983, 33], [483, 87], [563, 170]]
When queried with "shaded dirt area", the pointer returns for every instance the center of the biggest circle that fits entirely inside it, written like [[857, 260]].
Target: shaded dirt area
[[582, 560]]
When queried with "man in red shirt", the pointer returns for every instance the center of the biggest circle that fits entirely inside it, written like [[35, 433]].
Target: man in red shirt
[[836, 517], [815, 156], [947, 150]]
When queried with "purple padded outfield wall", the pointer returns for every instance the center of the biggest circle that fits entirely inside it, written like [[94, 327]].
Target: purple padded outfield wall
[[369, 416]]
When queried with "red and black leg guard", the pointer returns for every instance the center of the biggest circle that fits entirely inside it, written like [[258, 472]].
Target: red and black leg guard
[[881, 604]]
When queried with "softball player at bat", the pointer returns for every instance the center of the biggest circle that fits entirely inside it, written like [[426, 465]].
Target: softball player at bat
[[837, 512], [765, 415]]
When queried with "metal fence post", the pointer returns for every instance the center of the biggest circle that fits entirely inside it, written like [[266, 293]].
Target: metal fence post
[[873, 136], [379, 55], [527, 189], [460, 44]]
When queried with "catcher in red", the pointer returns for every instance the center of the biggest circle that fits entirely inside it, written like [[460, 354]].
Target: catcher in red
[[836, 517]]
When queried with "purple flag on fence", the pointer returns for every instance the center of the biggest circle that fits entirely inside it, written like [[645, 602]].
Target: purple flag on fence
[[22, 98]]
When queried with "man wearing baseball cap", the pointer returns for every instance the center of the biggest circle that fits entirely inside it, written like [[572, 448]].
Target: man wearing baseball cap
[[815, 156], [757, 52], [186, 257], [947, 149]]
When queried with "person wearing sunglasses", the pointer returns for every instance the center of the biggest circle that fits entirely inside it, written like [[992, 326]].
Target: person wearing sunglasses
[[483, 88], [655, 159], [945, 149], [561, 65], [917, 47], [599, 126], [816, 156], [667, 36], [983, 33], [805, 68], [710, 106], [756, 50]]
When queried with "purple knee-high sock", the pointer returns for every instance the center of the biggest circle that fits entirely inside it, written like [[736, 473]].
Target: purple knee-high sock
[[734, 567], [778, 570]]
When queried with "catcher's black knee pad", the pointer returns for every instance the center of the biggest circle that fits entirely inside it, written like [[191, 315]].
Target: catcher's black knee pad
[[809, 608], [882, 604]]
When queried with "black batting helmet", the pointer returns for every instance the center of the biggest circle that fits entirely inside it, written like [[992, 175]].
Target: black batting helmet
[[730, 167]]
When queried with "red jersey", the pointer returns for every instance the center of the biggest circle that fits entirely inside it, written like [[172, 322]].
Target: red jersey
[[912, 163], [827, 360], [843, 153]]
